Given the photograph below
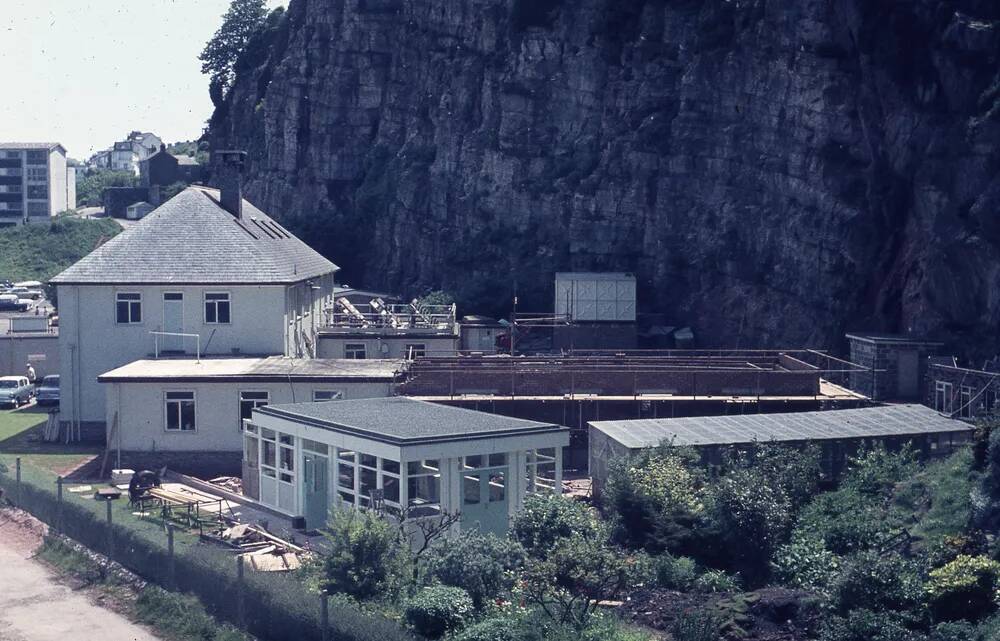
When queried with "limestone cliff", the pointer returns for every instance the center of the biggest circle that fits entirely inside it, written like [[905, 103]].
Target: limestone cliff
[[774, 171]]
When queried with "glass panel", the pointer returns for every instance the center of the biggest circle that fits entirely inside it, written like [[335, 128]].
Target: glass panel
[[498, 488], [497, 460], [345, 476], [187, 415], [367, 482], [390, 488], [470, 489], [474, 461], [367, 460], [346, 497], [346, 455], [270, 453], [314, 446], [266, 434], [389, 465], [285, 439], [250, 450], [287, 459]]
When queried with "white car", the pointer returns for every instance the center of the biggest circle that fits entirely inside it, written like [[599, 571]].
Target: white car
[[15, 390]]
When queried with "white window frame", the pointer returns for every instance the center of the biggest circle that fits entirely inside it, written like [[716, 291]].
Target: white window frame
[[414, 350], [228, 300], [130, 302], [336, 395], [256, 402], [943, 392], [351, 351], [965, 394], [166, 411]]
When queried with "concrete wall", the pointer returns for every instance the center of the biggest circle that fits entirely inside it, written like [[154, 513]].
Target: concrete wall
[[140, 409], [70, 187], [304, 305], [57, 183], [332, 346], [16, 351], [87, 325]]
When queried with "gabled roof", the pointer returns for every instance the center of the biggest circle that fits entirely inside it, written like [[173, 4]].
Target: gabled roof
[[192, 239], [31, 145], [185, 160]]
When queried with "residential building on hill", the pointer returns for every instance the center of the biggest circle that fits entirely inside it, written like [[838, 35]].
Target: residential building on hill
[[206, 273], [35, 182]]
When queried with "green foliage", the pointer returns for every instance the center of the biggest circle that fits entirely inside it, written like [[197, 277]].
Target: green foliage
[[438, 609], [965, 588], [939, 497], [577, 573], [753, 517], [796, 470], [172, 190], [846, 520], [482, 564], [90, 188], [366, 557], [181, 617], [39, 252], [867, 625], [436, 297], [655, 499], [698, 625], [492, 629], [716, 581], [877, 582], [876, 471], [804, 562], [953, 631], [243, 20], [675, 572], [546, 518]]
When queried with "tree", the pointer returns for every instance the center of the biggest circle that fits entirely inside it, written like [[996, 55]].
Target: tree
[[547, 518], [243, 20], [366, 555], [91, 187], [482, 564]]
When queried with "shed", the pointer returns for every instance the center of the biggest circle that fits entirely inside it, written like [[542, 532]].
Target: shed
[[839, 433], [409, 457]]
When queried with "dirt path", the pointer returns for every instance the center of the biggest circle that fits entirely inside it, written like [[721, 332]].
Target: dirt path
[[35, 606]]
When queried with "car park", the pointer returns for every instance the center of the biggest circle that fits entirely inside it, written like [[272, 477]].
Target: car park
[[47, 391], [15, 390]]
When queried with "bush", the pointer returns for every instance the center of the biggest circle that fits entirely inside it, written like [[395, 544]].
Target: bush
[[695, 626], [716, 581], [961, 631], [546, 518], [438, 609], [655, 500], [481, 564], [866, 625], [493, 629], [846, 521], [877, 582], [366, 557], [675, 573], [877, 471], [965, 588], [804, 562]]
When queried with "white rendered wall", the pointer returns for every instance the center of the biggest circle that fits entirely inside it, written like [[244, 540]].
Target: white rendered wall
[[57, 183], [87, 325], [140, 408], [332, 346]]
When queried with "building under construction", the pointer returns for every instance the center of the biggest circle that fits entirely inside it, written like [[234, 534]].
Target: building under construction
[[575, 388]]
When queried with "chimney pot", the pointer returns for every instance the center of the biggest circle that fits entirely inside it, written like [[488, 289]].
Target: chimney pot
[[229, 177]]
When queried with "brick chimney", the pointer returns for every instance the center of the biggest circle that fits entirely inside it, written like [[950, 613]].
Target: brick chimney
[[229, 177]]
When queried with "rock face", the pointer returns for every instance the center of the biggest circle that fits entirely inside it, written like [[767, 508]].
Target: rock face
[[774, 172]]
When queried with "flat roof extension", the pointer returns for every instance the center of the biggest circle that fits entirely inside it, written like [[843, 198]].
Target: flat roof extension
[[892, 339], [260, 369], [866, 422], [404, 421]]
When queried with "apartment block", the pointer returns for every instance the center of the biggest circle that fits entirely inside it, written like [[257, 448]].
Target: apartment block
[[34, 182]]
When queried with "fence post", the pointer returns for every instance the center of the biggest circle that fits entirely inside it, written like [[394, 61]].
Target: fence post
[[111, 533], [59, 505], [324, 615], [17, 487], [170, 557], [240, 613]]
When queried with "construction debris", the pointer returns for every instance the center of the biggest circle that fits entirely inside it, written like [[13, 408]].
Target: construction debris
[[232, 484], [261, 550]]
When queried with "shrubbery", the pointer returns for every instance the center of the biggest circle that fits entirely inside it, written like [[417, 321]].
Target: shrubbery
[[545, 520], [965, 588], [804, 562], [877, 581], [438, 609], [366, 557], [483, 565]]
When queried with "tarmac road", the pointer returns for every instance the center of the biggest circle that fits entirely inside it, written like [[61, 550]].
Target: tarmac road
[[34, 606]]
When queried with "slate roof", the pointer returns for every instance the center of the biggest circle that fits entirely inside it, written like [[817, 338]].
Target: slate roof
[[406, 421], [192, 239], [866, 422]]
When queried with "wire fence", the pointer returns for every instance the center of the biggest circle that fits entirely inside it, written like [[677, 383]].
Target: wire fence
[[267, 605]]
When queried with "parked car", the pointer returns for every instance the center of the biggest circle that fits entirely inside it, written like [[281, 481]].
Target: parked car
[[15, 390], [33, 294], [47, 391], [11, 302]]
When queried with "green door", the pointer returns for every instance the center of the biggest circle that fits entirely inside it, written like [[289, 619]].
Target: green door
[[315, 489], [484, 500]]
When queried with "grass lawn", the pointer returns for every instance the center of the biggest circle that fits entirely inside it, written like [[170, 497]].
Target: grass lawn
[[20, 435]]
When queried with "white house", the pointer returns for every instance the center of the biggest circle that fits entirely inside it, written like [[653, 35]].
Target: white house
[[198, 406], [405, 456], [206, 273]]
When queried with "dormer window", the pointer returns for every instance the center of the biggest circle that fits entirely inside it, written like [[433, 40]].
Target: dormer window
[[217, 307]]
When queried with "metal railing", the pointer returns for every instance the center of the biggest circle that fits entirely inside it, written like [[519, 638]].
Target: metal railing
[[156, 342], [382, 315]]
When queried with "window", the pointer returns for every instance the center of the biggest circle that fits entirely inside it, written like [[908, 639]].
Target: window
[[354, 350], [942, 397], [37, 174], [423, 484], [128, 308], [286, 459], [217, 307], [180, 411], [269, 453], [36, 157], [414, 350], [39, 192], [965, 401], [346, 464], [38, 209], [327, 395], [250, 400]]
